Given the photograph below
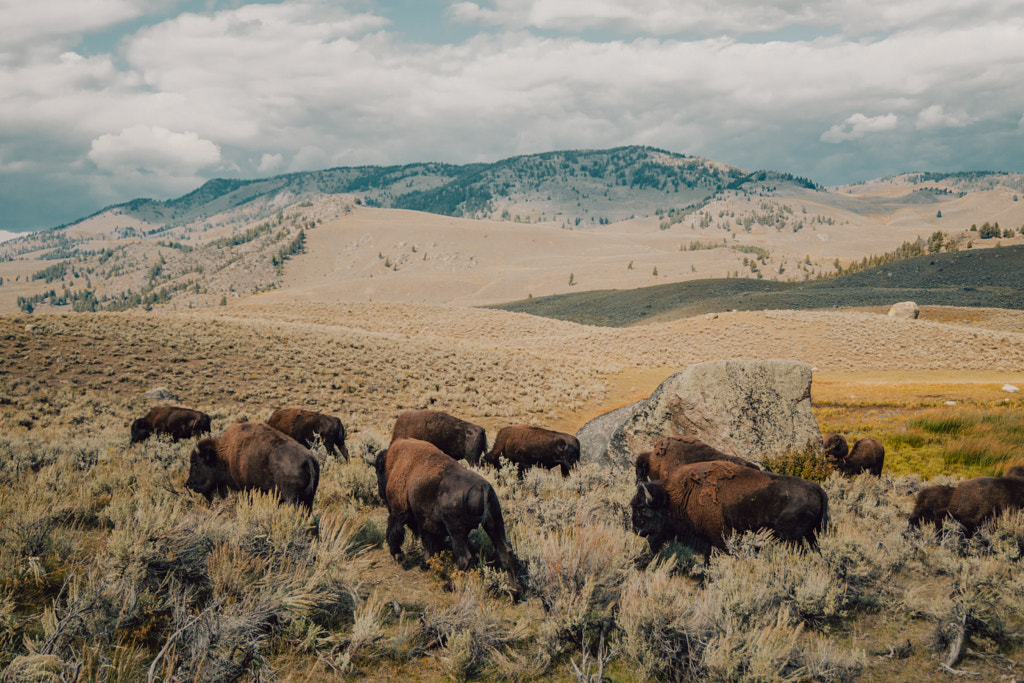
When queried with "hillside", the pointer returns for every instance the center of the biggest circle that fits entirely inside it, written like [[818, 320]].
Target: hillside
[[978, 278], [481, 234]]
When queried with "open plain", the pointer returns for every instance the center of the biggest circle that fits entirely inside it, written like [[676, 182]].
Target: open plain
[[111, 570]]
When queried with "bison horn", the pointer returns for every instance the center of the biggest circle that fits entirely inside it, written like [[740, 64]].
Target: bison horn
[[648, 498]]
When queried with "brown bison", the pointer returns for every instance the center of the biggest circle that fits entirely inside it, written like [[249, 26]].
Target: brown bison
[[178, 423], [528, 447], [701, 504], [674, 451], [867, 455], [457, 438], [305, 426], [1015, 471], [976, 500], [931, 505], [437, 497], [253, 455]]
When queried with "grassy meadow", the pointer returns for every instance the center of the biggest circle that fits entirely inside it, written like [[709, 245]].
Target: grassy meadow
[[110, 570]]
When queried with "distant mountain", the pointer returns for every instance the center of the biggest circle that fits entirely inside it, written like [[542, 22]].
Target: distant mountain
[[578, 188]]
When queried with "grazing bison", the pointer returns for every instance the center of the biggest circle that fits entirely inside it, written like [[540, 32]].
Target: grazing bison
[[528, 446], [976, 500], [456, 438], [867, 455], [305, 425], [253, 455], [1015, 471], [701, 504], [178, 423], [835, 446], [674, 451], [438, 497], [931, 505]]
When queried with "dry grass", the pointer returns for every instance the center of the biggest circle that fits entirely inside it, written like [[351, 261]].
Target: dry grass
[[108, 567]]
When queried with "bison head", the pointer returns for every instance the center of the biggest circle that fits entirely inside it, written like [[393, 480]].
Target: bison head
[[382, 481], [836, 447], [476, 444], [203, 471], [649, 505], [141, 430]]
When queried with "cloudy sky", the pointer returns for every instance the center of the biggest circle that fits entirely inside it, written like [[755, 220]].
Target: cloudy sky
[[102, 101]]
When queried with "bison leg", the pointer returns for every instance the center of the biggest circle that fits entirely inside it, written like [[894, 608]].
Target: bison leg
[[565, 469], [432, 543], [494, 526], [396, 536]]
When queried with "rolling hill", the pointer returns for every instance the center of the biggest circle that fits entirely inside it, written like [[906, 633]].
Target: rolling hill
[[481, 234], [974, 278]]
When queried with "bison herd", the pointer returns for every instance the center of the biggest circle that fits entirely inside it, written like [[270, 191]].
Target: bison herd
[[686, 489]]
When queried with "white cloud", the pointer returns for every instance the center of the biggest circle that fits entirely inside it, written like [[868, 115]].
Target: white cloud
[[153, 150], [269, 163], [936, 116], [858, 125], [665, 17]]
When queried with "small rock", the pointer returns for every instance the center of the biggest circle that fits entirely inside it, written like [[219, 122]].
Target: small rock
[[905, 309], [160, 394], [710, 316], [1010, 388], [950, 403]]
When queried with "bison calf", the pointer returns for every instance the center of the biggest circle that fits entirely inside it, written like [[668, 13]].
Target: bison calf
[[252, 455], [305, 426], [178, 423], [528, 447], [437, 498], [867, 455], [675, 451], [701, 504], [456, 438]]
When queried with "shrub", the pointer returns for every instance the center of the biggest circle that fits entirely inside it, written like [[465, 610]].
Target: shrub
[[811, 463]]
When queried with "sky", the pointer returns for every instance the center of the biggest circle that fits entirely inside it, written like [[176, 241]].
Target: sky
[[103, 101]]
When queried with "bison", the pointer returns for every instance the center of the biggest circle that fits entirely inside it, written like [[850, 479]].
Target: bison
[[867, 455], [253, 455], [437, 497], [528, 446], [305, 426], [701, 504], [931, 505], [976, 500], [674, 451], [1015, 471], [456, 438], [178, 423]]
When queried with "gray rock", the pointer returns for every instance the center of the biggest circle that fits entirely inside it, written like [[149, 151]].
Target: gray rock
[[162, 394], [907, 310], [594, 435], [744, 408]]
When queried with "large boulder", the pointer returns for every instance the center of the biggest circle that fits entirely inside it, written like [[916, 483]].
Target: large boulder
[[744, 408], [595, 435], [907, 310]]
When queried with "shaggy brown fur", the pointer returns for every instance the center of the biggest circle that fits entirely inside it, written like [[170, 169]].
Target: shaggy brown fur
[[305, 426], [528, 447], [674, 451], [976, 500], [702, 503], [457, 438], [178, 423], [253, 455], [931, 505], [437, 498], [835, 446], [1015, 471], [867, 455]]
